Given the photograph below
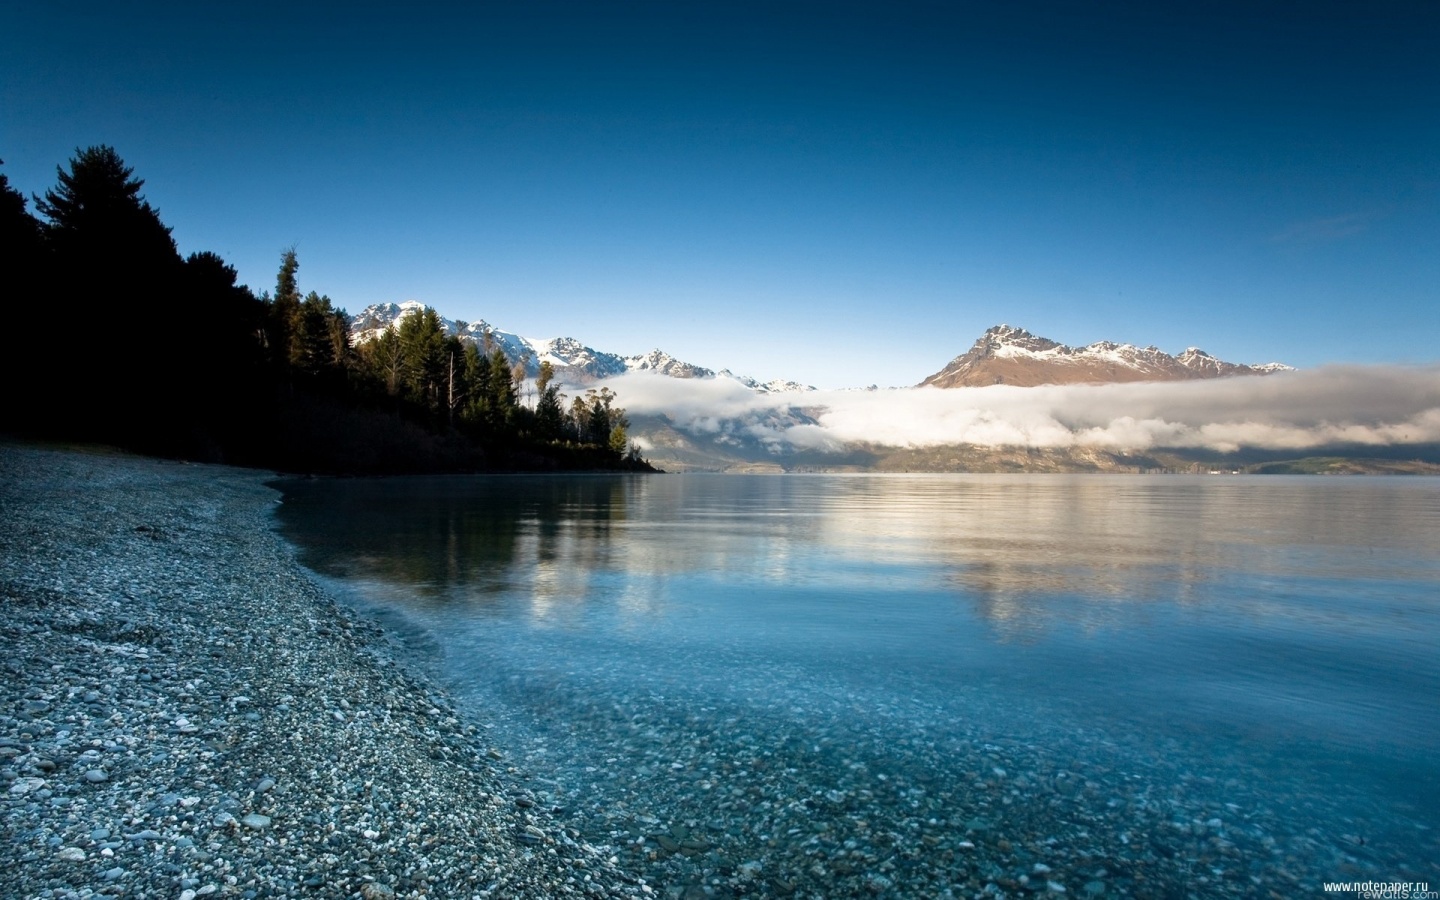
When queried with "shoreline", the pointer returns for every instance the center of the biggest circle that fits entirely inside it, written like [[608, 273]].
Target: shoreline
[[185, 712]]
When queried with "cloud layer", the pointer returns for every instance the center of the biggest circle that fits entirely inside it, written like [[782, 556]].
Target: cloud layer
[[1374, 406]]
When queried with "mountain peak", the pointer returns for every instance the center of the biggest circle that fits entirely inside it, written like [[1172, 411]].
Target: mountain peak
[[1004, 340], [573, 360], [658, 360], [1005, 354]]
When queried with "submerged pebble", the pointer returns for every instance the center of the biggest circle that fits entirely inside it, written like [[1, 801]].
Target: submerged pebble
[[130, 671]]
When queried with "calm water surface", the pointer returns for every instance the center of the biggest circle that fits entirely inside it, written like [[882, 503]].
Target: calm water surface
[[933, 685]]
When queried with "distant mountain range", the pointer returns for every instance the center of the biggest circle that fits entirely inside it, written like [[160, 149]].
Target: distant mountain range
[[1014, 356], [1002, 355], [574, 362], [792, 427]]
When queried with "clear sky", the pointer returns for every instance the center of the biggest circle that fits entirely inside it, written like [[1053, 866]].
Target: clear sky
[[837, 193]]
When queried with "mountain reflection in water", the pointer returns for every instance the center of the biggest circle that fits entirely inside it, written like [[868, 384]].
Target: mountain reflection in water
[[1282, 633]]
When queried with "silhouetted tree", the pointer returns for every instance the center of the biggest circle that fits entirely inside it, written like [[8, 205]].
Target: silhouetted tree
[[313, 349], [96, 213], [223, 372], [477, 377], [422, 342], [117, 270], [549, 405], [502, 397], [384, 360], [20, 233], [285, 311], [180, 358], [24, 274]]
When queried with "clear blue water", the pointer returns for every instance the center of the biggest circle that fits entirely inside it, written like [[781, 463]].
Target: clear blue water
[[933, 685]]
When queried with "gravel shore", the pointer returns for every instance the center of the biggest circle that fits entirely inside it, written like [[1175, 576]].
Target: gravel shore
[[185, 713]]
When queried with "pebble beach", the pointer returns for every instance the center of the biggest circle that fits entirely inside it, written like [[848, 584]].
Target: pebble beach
[[184, 713]]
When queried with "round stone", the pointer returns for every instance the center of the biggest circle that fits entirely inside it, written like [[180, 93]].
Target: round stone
[[26, 785]]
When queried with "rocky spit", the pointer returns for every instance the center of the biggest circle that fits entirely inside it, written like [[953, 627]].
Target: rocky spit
[[184, 713]]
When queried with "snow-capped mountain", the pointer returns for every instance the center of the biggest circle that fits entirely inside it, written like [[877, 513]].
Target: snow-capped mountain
[[574, 362], [775, 386], [1008, 355], [372, 321], [663, 363]]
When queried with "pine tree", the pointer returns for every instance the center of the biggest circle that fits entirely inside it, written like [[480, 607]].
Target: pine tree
[[19, 231], [384, 361], [549, 405], [96, 211], [503, 398], [619, 440], [422, 343], [24, 274], [474, 411], [116, 262], [285, 311], [314, 349]]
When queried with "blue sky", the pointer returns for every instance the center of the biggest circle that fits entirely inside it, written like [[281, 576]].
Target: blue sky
[[838, 193]]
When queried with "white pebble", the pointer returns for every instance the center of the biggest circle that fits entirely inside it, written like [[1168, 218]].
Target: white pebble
[[26, 785]]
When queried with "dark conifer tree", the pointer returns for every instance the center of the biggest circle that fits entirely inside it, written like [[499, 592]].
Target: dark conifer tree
[[96, 213], [477, 376], [116, 267], [187, 361], [384, 360], [20, 234], [224, 356], [314, 350], [549, 405], [422, 342], [24, 275], [285, 312], [503, 398], [338, 330]]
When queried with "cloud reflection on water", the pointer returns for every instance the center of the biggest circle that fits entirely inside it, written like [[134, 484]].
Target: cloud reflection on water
[[1024, 552]]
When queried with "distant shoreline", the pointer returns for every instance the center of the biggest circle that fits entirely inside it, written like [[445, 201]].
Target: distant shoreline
[[185, 712]]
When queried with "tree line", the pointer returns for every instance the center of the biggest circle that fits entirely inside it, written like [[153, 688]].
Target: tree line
[[132, 344]]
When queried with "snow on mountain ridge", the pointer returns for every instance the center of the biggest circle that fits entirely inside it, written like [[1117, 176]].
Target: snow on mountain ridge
[[663, 363], [573, 360], [1005, 354], [775, 386]]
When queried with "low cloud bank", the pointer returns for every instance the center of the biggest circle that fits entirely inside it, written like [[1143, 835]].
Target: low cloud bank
[[1373, 405]]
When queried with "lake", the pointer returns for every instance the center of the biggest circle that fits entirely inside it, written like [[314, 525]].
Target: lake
[[930, 686]]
